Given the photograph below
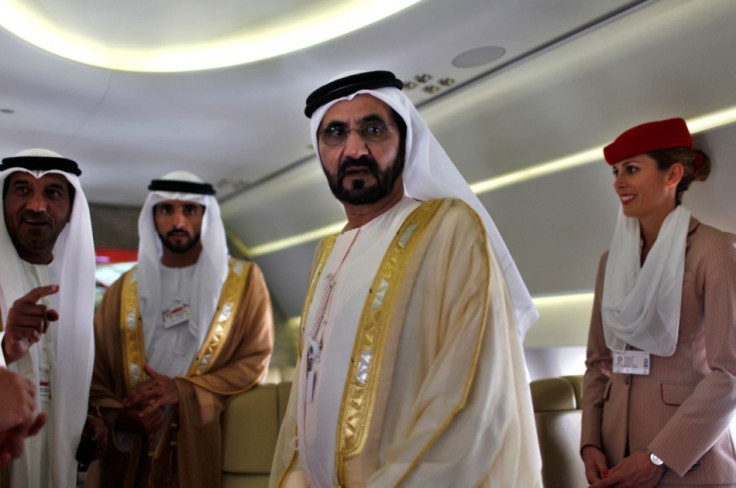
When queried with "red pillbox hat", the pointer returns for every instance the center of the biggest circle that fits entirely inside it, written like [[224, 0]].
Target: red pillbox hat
[[652, 136]]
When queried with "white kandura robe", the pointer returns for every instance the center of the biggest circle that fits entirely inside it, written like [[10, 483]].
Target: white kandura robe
[[73, 269], [340, 324], [36, 448], [171, 350]]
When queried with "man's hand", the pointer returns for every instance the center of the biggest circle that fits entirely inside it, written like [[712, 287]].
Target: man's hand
[[596, 466], [11, 440], [635, 471], [17, 404], [150, 397], [17, 400], [133, 420], [27, 320]]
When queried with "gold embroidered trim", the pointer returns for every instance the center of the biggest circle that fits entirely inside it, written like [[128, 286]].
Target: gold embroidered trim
[[361, 385], [134, 352], [131, 332], [230, 298]]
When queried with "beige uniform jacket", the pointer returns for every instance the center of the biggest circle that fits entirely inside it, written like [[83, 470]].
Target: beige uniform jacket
[[681, 411]]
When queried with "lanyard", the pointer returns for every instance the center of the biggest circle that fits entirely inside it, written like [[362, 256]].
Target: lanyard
[[316, 330]]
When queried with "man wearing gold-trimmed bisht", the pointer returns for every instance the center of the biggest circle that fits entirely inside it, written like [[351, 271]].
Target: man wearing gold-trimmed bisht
[[411, 370], [175, 338]]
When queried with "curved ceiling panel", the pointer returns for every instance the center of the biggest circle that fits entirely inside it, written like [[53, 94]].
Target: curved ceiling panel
[[175, 36]]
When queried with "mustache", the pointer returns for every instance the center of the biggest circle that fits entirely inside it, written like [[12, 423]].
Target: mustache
[[362, 162], [178, 232], [37, 217]]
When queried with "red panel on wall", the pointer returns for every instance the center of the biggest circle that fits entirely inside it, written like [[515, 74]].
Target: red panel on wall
[[110, 256]]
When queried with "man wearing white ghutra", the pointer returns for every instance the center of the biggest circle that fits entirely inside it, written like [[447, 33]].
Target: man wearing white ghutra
[[47, 300], [176, 337], [411, 370]]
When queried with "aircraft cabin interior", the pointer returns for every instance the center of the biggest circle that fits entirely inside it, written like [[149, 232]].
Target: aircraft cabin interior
[[522, 95]]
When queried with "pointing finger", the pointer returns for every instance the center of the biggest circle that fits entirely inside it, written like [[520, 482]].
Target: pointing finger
[[38, 293]]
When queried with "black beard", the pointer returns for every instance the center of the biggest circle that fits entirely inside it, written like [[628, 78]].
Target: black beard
[[359, 194], [179, 248]]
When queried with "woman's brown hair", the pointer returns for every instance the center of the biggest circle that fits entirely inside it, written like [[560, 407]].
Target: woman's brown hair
[[696, 165]]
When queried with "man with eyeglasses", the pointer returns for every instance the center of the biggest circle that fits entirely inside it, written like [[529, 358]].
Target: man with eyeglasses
[[411, 370]]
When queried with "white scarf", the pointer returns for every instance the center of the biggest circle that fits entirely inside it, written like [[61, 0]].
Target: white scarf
[[641, 305], [429, 173], [73, 269]]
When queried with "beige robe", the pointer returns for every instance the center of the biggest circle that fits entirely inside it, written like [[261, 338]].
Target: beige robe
[[240, 364], [437, 395]]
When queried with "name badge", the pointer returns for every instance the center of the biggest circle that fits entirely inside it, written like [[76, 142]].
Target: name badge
[[312, 356], [176, 314], [631, 362], [44, 385]]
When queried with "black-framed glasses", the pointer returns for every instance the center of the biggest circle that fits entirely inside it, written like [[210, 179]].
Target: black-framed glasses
[[336, 135]]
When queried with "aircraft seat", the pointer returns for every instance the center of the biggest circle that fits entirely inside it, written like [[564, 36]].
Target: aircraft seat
[[251, 426], [557, 413]]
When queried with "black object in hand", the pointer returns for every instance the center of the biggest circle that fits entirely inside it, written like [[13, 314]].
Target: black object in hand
[[86, 451]]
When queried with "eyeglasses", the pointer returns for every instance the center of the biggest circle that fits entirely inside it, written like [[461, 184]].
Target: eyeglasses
[[336, 135]]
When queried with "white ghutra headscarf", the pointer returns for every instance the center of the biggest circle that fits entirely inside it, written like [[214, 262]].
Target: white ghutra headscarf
[[73, 269], [428, 172], [212, 265]]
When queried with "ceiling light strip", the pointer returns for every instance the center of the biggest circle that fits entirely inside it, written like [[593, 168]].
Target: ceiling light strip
[[297, 239], [696, 125], [564, 299], [537, 171], [289, 35], [712, 120]]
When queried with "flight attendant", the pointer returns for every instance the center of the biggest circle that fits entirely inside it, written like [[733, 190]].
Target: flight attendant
[[660, 383]]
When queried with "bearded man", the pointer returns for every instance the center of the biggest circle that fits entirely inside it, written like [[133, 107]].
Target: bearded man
[[411, 371], [175, 338]]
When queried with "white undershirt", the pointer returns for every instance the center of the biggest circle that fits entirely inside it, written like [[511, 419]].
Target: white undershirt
[[171, 350], [352, 263]]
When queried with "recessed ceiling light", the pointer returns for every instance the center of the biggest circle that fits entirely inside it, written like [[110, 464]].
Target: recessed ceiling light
[[149, 44], [478, 56]]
